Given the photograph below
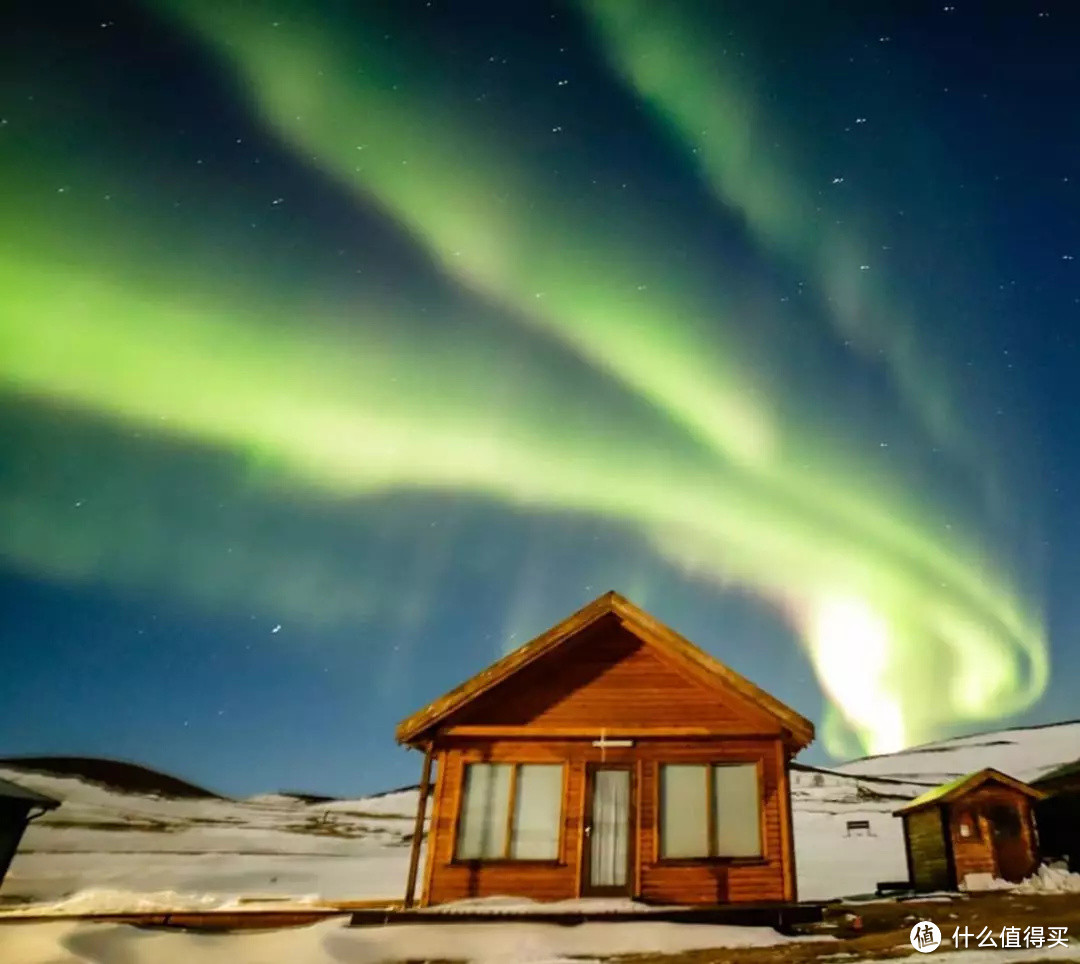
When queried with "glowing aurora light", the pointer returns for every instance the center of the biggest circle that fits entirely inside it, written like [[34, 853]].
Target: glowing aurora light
[[745, 154], [711, 479]]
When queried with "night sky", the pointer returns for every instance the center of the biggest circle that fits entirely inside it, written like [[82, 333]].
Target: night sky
[[345, 346]]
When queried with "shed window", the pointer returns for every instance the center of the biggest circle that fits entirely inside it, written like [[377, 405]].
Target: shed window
[[510, 811], [969, 825], [710, 810]]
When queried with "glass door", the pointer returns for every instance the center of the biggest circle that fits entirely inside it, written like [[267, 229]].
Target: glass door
[[608, 850]]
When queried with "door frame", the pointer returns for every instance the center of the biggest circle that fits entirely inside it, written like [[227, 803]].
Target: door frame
[[587, 888]]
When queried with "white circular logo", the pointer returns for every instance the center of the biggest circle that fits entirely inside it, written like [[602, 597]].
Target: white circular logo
[[925, 936]]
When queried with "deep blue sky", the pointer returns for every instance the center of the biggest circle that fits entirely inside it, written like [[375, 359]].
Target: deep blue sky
[[191, 579]]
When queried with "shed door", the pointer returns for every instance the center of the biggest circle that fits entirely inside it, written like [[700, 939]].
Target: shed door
[[609, 839], [1011, 849]]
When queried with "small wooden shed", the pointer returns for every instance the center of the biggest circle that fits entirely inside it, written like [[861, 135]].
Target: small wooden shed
[[1058, 816], [18, 806], [980, 823], [608, 757]]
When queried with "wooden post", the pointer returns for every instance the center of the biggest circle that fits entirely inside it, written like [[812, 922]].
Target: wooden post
[[787, 829], [418, 828]]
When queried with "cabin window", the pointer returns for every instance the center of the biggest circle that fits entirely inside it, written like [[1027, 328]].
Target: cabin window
[[711, 810], [510, 811]]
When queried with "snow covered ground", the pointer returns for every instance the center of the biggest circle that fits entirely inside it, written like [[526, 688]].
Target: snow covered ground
[[270, 845], [333, 943], [276, 845]]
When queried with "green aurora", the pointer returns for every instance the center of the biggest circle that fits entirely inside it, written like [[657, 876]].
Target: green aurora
[[712, 105], [642, 398]]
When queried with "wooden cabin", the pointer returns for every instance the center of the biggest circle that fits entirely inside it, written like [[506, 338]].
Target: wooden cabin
[[981, 823], [1058, 816], [607, 757], [18, 806]]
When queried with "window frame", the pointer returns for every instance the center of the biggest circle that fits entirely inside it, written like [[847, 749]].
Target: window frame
[[511, 806], [710, 813], [969, 817]]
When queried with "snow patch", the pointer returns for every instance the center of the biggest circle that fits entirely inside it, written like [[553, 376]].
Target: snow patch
[[1050, 880], [332, 942], [105, 901], [512, 905], [99, 900], [1047, 879]]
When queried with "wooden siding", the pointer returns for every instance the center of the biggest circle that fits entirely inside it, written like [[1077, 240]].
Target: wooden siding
[[684, 882], [980, 853], [602, 615], [927, 847], [609, 680]]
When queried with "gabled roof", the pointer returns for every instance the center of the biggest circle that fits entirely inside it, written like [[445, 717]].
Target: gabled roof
[[12, 791], [948, 792], [637, 621]]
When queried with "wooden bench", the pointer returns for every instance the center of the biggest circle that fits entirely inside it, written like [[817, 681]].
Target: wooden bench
[[863, 825]]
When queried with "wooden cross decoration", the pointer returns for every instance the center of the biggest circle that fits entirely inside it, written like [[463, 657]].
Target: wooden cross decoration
[[604, 743]]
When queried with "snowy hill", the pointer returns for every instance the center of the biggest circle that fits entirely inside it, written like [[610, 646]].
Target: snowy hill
[[832, 860], [104, 837], [285, 844], [1021, 752], [117, 774]]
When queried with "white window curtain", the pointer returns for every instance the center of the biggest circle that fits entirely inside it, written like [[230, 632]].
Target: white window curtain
[[685, 831], [486, 833], [737, 808], [537, 810], [482, 834], [684, 822], [609, 838]]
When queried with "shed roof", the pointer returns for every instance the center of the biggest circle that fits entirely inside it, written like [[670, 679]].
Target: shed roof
[[12, 791], [948, 792], [649, 630]]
